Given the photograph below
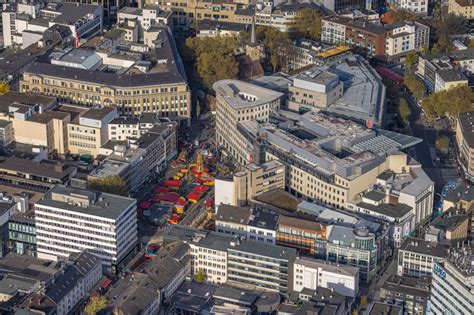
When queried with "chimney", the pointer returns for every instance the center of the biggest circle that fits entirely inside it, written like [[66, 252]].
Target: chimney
[[58, 167]]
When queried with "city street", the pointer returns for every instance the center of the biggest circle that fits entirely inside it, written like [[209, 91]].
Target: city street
[[426, 150], [203, 132]]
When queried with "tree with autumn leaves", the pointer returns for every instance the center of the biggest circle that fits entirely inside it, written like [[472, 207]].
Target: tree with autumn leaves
[[211, 58]]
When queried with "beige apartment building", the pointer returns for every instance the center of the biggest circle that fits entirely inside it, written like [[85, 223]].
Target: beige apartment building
[[464, 8], [339, 190], [465, 143], [134, 78], [34, 122], [48, 129], [253, 180], [314, 89], [326, 158], [237, 102], [168, 99], [89, 131], [188, 12]]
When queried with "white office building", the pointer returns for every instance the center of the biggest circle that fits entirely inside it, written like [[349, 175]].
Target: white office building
[[419, 7], [148, 16], [131, 128], [416, 257], [207, 249], [237, 102], [406, 37], [311, 274], [452, 287], [25, 23], [69, 220]]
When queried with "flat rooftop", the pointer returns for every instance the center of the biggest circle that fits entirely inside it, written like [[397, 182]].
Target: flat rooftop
[[31, 99], [74, 55], [109, 168], [358, 24], [265, 219], [240, 95], [307, 225], [463, 259], [326, 143], [317, 76], [208, 239], [364, 92], [97, 114], [265, 250], [452, 75], [424, 247], [94, 203], [71, 12], [170, 72], [328, 266], [47, 169], [46, 117], [393, 211], [234, 214]]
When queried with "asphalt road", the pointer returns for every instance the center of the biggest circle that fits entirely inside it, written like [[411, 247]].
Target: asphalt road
[[422, 130]]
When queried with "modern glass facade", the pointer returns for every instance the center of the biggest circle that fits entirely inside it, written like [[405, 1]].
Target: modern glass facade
[[22, 237]]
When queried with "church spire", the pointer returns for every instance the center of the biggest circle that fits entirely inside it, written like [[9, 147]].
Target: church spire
[[253, 36]]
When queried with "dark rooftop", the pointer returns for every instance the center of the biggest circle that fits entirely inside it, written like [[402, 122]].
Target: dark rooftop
[[451, 75], [95, 113], [449, 220], [375, 195], [49, 169], [174, 73], [378, 308], [64, 284], [125, 120], [14, 62], [421, 246], [46, 117], [193, 297], [11, 97], [234, 214], [385, 175], [265, 219], [234, 295], [133, 293], [465, 3], [408, 285], [328, 296], [362, 25], [394, 211], [461, 192], [150, 136], [84, 261], [308, 225], [73, 12]]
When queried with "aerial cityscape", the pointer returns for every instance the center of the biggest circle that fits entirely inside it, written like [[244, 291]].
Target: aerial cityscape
[[237, 157]]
